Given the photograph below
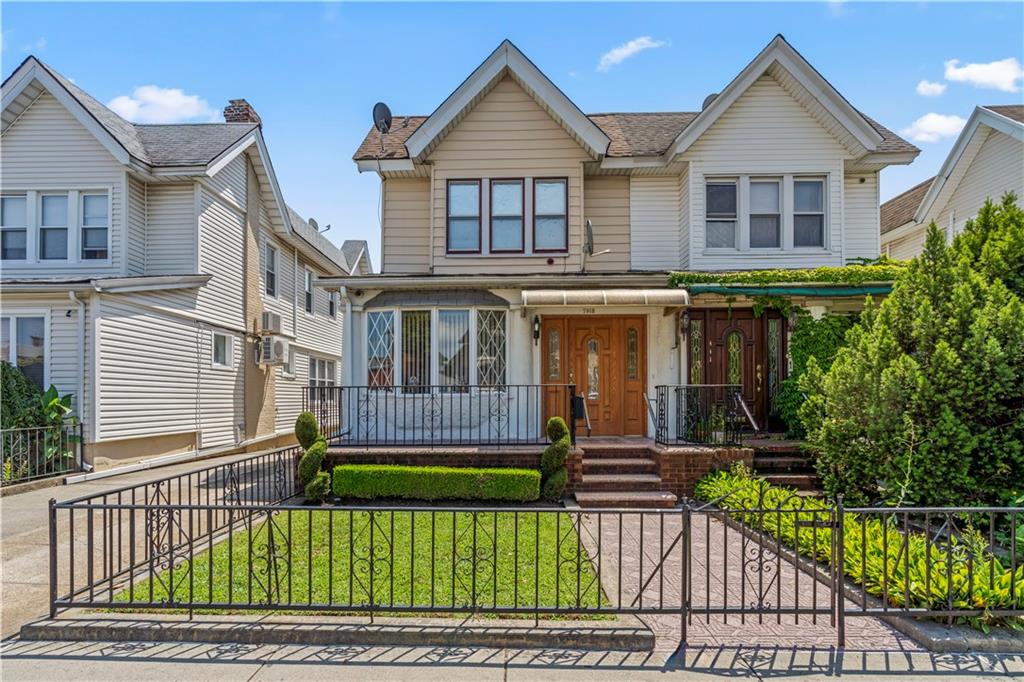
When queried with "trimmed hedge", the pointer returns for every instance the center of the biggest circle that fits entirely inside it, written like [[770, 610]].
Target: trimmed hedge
[[373, 481]]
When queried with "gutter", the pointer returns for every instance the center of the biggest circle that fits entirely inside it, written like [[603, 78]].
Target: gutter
[[810, 289]]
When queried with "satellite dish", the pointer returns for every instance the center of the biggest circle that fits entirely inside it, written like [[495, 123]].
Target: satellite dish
[[313, 222], [708, 100], [381, 117], [588, 239]]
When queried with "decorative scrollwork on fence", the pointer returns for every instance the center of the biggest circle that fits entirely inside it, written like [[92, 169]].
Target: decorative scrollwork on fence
[[372, 567], [474, 558], [271, 552]]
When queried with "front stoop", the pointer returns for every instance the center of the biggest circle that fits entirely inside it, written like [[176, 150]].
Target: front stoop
[[785, 463], [621, 475]]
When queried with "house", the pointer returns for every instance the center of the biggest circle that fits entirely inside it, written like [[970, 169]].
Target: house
[[146, 266], [987, 161], [526, 243]]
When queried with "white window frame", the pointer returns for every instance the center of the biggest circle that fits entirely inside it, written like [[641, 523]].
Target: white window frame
[[12, 358], [330, 369], [288, 368], [308, 291], [27, 228], [68, 214], [82, 227], [332, 304], [268, 249], [737, 239], [229, 350], [824, 180], [749, 212]]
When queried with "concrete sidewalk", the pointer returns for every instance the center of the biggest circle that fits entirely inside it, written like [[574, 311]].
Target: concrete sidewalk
[[24, 538]]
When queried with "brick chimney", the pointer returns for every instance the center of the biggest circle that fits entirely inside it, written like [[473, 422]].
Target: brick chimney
[[240, 111]]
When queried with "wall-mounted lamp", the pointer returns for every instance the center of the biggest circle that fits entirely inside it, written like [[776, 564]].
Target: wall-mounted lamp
[[536, 329], [684, 322]]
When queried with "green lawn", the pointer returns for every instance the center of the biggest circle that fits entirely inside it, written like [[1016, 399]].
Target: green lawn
[[323, 558]]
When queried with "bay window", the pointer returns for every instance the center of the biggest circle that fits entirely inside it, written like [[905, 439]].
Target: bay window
[[13, 227], [23, 345], [53, 227], [507, 216], [808, 212], [550, 214], [463, 216], [95, 226], [721, 214], [443, 349], [765, 215]]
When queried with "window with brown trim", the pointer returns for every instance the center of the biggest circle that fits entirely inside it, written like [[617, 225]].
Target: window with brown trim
[[507, 206], [463, 206], [550, 214]]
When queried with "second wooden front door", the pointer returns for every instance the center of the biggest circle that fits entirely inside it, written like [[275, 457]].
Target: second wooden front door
[[604, 357]]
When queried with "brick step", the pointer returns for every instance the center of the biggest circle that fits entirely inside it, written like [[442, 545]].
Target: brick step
[[780, 463], [620, 465], [631, 482], [620, 453], [626, 499], [798, 481]]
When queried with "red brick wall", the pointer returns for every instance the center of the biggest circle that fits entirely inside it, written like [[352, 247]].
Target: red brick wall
[[681, 468]]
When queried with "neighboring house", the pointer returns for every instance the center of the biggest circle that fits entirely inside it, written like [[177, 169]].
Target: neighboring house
[[986, 162], [137, 261], [525, 243]]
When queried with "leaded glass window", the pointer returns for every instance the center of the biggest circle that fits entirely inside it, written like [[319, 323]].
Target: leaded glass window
[[380, 348], [774, 336], [490, 347], [593, 370], [696, 352], [734, 358], [632, 353], [554, 354]]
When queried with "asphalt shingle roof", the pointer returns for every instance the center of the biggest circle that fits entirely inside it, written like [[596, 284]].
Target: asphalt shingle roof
[[900, 209], [1014, 111]]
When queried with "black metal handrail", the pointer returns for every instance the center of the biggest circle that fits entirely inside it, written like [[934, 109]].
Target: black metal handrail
[[438, 415], [703, 414], [27, 454]]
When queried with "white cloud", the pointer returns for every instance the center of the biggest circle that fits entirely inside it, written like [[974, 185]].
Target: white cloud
[[930, 89], [619, 54], [153, 104], [933, 127], [1001, 75], [37, 46]]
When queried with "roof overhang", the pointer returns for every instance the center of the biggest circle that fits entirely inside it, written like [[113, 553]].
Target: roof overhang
[[795, 289], [964, 151], [535, 298], [498, 281], [506, 59], [385, 166], [110, 285], [899, 232]]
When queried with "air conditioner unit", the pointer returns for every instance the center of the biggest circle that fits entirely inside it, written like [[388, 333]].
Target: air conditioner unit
[[273, 350], [270, 323]]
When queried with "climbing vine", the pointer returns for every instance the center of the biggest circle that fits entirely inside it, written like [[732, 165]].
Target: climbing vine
[[881, 270]]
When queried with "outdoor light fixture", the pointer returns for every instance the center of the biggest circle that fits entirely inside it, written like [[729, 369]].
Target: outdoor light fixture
[[684, 321], [536, 329]]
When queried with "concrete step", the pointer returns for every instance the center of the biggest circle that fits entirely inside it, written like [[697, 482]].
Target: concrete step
[[798, 481], [602, 482], [626, 499], [620, 465]]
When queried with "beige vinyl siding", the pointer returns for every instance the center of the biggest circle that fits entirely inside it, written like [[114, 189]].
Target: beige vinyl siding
[[135, 240], [405, 233], [47, 148], [606, 204], [171, 229], [766, 132], [654, 222], [860, 219], [507, 135], [684, 218], [229, 181], [997, 168], [221, 248]]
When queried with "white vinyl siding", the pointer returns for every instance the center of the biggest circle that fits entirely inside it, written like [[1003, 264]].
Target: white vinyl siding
[[860, 216], [47, 149], [171, 229], [288, 390], [221, 244], [654, 222], [284, 304], [136, 226], [229, 181], [683, 195]]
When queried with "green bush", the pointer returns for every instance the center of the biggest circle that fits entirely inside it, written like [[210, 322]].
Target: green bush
[[373, 481], [873, 550], [552, 462], [317, 489], [19, 399], [311, 462], [306, 430], [554, 486], [556, 429], [923, 405]]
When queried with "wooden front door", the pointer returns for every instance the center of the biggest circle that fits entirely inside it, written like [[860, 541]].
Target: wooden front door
[[604, 356], [735, 347]]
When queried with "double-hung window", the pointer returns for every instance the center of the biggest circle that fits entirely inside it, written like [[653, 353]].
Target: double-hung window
[[808, 212], [332, 304], [463, 216], [721, 214], [507, 216], [23, 344], [550, 214], [270, 270], [95, 226], [307, 289], [13, 227], [223, 351], [321, 372], [765, 214], [53, 227]]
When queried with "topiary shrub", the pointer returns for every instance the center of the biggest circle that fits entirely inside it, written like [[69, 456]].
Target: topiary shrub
[[311, 462], [306, 430], [552, 463], [317, 489]]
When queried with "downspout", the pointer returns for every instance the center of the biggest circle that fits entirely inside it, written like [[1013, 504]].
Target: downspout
[[85, 466]]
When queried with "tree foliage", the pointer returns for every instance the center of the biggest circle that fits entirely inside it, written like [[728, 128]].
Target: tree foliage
[[19, 399], [925, 405]]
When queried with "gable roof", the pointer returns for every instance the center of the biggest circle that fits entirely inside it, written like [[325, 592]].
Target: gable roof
[[646, 134], [901, 208], [1008, 120]]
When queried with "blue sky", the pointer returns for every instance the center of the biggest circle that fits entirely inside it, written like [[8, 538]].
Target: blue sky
[[313, 70]]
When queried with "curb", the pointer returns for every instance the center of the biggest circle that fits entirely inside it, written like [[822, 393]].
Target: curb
[[623, 634]]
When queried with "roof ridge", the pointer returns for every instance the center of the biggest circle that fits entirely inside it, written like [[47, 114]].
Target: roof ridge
[[193, 123]]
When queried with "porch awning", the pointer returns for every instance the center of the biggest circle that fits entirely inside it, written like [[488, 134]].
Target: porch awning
[[605, 297]]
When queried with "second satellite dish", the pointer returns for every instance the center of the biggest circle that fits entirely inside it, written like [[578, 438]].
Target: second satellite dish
[[381, 117]]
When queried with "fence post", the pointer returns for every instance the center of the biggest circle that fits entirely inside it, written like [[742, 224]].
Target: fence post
[[839, 573], [53, 557], [572, 413], [684, 570]]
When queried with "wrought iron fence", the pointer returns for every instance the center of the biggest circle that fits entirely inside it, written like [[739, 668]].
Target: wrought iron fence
[[705, 414], [31, 453], [435, 415]]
